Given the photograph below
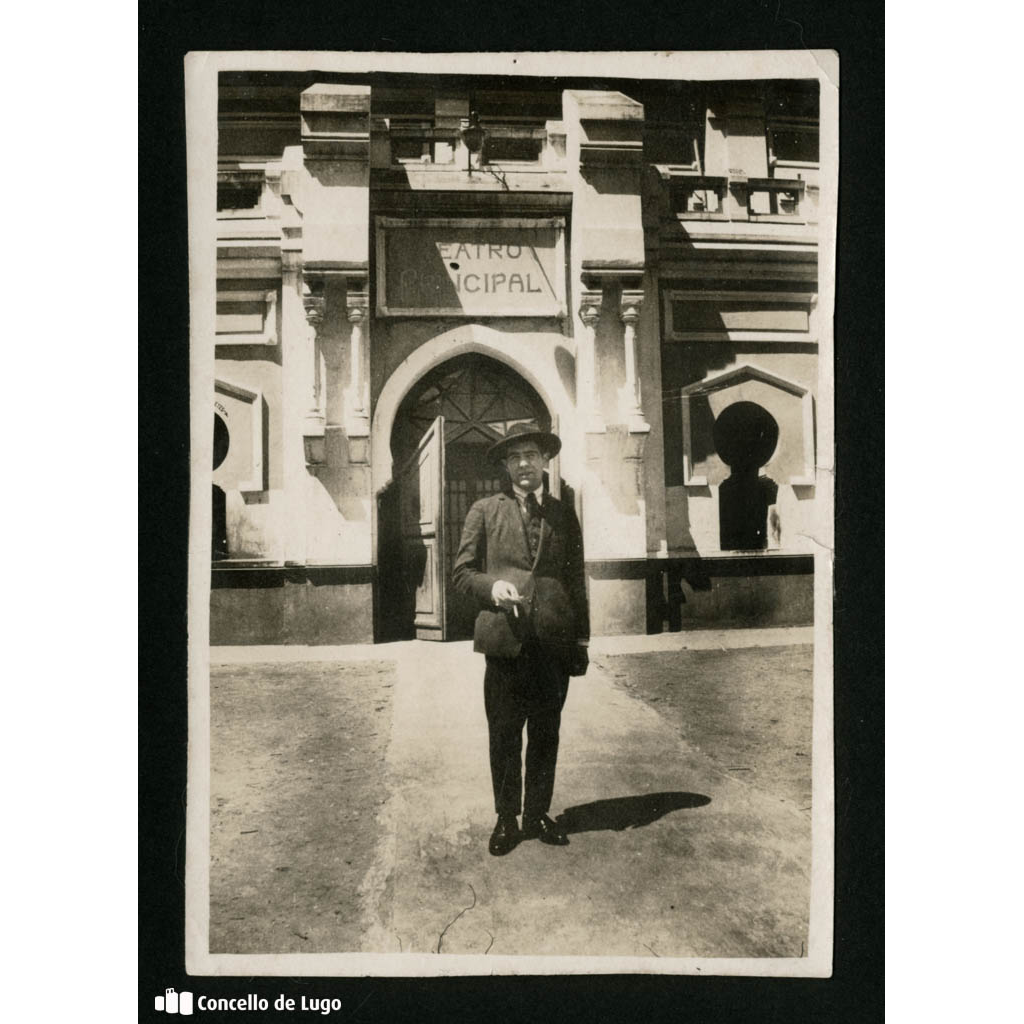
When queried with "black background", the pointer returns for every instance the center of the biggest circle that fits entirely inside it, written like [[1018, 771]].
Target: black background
[[167, 32]]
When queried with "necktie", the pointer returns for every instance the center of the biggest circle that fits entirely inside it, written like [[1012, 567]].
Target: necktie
[[532, 523]]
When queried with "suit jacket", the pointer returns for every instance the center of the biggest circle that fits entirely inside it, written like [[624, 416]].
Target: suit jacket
[[495, 547]]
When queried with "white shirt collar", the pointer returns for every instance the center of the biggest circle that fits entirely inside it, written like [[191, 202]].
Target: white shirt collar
[[521, 494]]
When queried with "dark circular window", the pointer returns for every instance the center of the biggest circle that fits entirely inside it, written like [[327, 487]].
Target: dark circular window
[[745, 435], [221, 440]]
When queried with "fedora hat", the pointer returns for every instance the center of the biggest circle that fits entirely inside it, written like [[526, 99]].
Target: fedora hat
[[547, 442]]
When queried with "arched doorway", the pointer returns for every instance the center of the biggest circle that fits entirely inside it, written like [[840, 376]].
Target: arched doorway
[[439, 441]]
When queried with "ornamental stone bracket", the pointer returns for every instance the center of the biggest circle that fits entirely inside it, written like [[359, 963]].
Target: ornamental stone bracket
[[586, 363]]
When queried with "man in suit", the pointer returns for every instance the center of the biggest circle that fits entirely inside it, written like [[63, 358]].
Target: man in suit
[[521, 557]]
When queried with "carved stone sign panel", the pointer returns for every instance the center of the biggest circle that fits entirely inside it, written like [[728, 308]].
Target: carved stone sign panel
[[470, 268]]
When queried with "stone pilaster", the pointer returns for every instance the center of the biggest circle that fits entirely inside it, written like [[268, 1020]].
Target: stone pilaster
[[586, 363], [357, 394], [295, 402], [315, 419], [630, 396]]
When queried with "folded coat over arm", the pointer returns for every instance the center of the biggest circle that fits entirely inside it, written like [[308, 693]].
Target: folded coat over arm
[[553, 586]]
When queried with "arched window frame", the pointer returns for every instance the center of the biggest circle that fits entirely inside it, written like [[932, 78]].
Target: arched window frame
[[734, 378]]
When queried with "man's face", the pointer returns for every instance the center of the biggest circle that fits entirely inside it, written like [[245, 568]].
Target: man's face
[[526, 463]]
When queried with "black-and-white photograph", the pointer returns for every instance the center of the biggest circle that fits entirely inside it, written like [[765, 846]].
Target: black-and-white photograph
[[511, 513]]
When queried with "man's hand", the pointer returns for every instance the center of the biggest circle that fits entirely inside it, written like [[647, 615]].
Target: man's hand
[[505, 595], [579, 661]]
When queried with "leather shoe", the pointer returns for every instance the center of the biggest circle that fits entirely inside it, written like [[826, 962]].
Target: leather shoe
[[505, 836], [546, 830]]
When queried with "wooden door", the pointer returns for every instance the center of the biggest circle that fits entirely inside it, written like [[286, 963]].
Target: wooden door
[[421, 504], [469, 476]]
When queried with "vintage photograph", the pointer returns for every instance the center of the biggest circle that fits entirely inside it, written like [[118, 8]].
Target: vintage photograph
[[511, 513]]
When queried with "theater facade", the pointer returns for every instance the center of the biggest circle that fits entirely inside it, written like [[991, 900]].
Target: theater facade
[[409, 264]]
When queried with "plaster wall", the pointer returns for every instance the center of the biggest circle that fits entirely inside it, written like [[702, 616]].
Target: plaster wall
[[727, 593], [651, 388], [291, 606], [336, 212], [745, 133], [338, 508], [334, 337], [614, 508], [693, 525], [617, 606], [607, 204], [610, 357], [607, 228], [716, 139], [748, 154], [692, 519]]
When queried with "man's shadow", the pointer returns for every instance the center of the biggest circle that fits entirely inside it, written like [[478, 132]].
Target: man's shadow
[[622, 812]]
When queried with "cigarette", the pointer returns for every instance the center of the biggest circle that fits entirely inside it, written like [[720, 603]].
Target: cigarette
[[515, 610]]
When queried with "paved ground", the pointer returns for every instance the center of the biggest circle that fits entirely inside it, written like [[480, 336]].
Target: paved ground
[[351, 803], [298, 761]]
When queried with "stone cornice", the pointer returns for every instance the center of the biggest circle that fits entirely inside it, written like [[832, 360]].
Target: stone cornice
[[629, 279], [610, 127], [335, 122]]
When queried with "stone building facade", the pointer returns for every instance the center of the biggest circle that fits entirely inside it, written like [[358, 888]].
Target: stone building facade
[[409, 264]]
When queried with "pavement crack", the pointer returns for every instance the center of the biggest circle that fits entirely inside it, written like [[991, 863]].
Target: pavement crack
[[440, 938]]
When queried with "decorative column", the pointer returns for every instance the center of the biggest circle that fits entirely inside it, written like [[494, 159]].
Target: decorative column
[[357, 404], [629, 395], [586, 364], [294, 406], [315, 419]]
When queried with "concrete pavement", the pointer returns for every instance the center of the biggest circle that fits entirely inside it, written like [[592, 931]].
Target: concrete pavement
[[670, 855]]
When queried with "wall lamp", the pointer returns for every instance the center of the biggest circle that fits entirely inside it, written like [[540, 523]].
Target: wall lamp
[[473, 138]]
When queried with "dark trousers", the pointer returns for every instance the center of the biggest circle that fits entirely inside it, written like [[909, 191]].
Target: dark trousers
[[527, 690]]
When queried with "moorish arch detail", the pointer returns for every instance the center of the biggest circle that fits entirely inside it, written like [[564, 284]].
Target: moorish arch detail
[[534, 363], [479, 398]]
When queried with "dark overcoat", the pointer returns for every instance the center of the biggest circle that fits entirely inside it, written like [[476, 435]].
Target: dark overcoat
[[553, 586]]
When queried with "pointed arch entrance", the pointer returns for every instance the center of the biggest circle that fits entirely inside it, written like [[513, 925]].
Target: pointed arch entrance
[[439, 440]]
